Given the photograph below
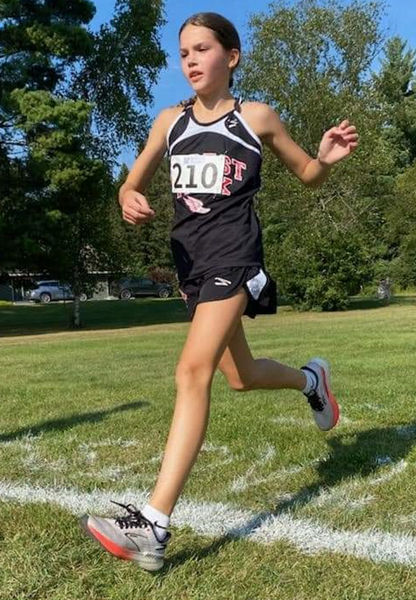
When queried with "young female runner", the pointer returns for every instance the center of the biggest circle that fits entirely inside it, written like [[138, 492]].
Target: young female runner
[[214, 143]]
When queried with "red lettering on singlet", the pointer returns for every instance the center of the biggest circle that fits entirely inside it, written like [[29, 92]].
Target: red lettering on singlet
[[239, 166], [227, 181], [229, 177], [227, 166]]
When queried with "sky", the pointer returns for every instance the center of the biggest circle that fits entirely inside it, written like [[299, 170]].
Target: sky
[[400, 19]]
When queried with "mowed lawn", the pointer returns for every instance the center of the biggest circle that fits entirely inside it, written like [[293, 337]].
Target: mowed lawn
[[274, 508]]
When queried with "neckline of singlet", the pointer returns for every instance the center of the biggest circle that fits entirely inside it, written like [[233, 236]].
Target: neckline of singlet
[[237, 103]]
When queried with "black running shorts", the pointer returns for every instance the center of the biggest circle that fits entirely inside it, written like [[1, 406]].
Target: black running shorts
[[225, 283]]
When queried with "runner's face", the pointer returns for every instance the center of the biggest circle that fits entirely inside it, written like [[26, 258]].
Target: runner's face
[[205, 63]]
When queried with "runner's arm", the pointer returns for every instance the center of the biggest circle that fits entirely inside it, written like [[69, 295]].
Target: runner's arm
[[312, 172], [151, 156]]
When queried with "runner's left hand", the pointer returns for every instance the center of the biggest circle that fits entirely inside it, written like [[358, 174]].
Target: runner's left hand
[[337, 143]]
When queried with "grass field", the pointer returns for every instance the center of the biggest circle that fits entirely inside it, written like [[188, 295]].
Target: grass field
[[274, 509]]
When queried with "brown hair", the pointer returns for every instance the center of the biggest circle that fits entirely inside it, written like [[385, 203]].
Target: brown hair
[[224, 31]]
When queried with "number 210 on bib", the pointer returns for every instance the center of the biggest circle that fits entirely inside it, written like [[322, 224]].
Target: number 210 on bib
[[197, 173]]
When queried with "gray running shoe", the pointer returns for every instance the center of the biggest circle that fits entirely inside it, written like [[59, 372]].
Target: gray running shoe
[[322, 401], [132, 537]]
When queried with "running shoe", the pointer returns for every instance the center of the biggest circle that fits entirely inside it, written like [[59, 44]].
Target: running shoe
[[132, 537], [322, 401]]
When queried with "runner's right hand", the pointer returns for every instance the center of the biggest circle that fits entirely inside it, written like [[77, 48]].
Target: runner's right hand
[[135, 208]]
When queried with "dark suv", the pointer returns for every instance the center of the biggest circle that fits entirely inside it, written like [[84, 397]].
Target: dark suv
[[140, 286]]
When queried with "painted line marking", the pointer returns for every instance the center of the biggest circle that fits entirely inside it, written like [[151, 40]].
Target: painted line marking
[[216, 519], [243, 482], [307, 423]]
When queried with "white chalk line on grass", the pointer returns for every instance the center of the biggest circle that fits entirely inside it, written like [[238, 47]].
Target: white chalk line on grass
[[374, 407], [308, 423], [216, 519], [248, 480]]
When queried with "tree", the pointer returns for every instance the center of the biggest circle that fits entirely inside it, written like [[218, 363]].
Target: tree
[[60, 215], [131, 259], [394, 89], [402, 232], [117, 76], [394, 86], [45, 45], [154, 238], [147, 246], [312, 61], [69, 213], [38, 41]]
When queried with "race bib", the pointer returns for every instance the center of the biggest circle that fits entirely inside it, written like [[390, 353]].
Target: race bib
[[197, 173]]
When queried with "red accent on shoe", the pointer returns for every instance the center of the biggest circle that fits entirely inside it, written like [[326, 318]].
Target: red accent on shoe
[[332, 399], [111, 546]]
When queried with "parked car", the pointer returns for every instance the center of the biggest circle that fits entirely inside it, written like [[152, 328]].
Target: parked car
[[130, 287], [46, 291]]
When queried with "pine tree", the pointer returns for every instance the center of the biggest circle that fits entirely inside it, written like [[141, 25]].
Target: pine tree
[[58, 211], [395, 85]]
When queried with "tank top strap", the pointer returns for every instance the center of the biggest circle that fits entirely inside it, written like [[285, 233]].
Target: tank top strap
[[237, 103], [188, 104]]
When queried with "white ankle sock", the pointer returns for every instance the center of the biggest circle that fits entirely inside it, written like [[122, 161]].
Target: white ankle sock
[[156, 517], [311, 381]]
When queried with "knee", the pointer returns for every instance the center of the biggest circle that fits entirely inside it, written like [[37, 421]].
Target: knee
[[191, 374]]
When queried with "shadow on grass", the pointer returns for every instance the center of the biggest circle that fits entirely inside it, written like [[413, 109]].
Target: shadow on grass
[[358, 303], [69, 422], [176, 560], [351, 454], [35, 319], [17, 320]]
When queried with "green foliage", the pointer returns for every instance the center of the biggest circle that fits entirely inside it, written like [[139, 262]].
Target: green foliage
[[37, 41], [147, 247], [119, 73], [42, 108], [124, 239], [312, 61], [316, 54], [393, 85], [43, 153], [402, 231], [154, 237], [319, 269], [60, 85]]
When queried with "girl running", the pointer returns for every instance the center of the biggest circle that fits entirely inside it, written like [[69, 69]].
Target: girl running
[[214, 143]]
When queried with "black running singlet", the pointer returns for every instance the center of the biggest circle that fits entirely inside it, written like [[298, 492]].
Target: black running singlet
[[215, 173]]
